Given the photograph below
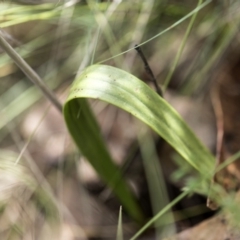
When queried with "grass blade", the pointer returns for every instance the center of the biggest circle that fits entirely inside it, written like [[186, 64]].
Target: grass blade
[[119, 229], [86, 133], [125, 91]]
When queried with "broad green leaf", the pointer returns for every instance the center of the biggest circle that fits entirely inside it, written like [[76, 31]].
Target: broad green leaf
[[86, 133], [127, 92]]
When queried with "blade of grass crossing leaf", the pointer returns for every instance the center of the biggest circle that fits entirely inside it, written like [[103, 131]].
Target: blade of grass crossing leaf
[[164, 31], [160, 214], [228, 161]]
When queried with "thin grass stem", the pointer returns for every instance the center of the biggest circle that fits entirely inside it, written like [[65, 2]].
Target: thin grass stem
[[180, 50], [119, 227], [164, 31], [29, 72], [160, 214]]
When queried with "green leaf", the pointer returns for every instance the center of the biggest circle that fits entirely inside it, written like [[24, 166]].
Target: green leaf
[[86, 134], [127, 92]]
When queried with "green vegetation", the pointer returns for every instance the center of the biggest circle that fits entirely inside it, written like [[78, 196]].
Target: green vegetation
[[93, 43]]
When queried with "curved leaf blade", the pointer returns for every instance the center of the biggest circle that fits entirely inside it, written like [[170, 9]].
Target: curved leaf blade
[[125, 91]]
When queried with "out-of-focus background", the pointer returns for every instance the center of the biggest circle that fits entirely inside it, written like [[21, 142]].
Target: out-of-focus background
[[47, 189]]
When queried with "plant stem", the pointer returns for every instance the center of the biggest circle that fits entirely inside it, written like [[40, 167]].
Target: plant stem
[[161, 213], [29, 72], [180, 50], [149, 70]]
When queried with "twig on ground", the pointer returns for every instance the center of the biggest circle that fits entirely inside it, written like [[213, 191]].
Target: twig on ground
[[217, 107], [149, 70], [29, 72]]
